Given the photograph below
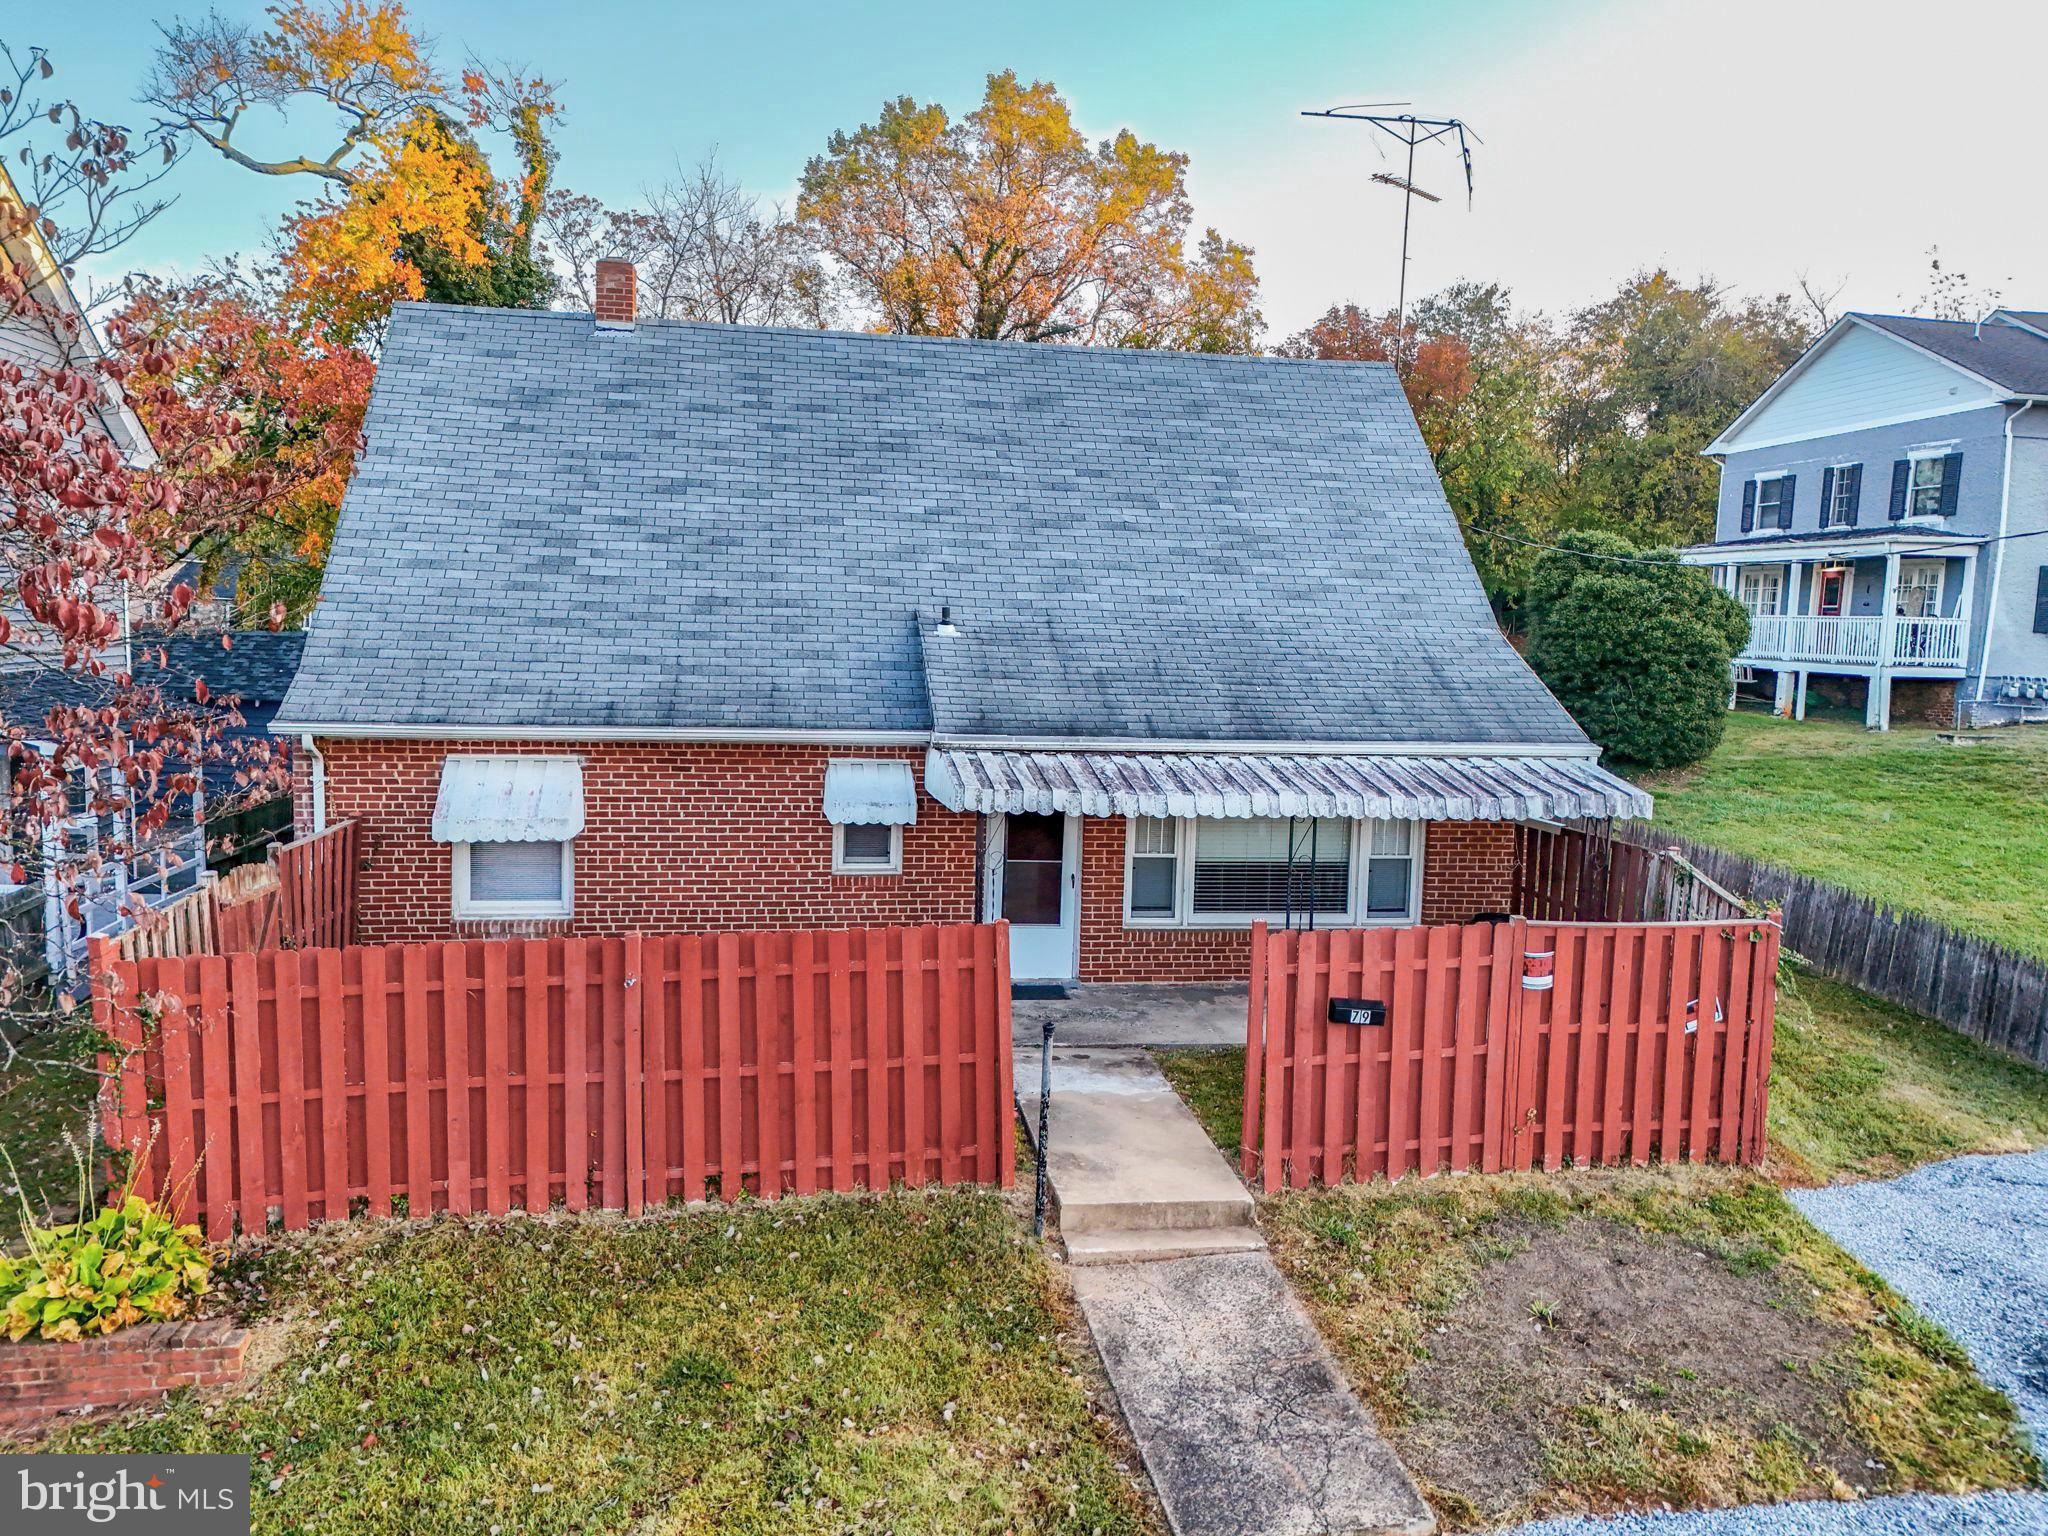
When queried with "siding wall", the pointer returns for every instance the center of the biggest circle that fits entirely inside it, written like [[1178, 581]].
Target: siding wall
[[1979, 435], [1864, 375], [684, 837]]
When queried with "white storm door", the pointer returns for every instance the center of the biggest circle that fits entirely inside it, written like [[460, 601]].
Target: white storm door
[[1042, 895]]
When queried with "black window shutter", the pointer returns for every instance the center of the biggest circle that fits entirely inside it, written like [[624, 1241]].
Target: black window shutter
[[1748, 506], [2041, 602], [1902, 471], [1827, 497], [1853, 474], [1951, 482], [1785, 502]]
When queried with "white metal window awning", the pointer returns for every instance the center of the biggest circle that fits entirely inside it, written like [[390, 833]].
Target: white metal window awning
[[509, 800], [869, 792], [1391, 788]]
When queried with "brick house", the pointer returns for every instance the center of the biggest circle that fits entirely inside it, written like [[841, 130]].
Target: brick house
[[670, 626]]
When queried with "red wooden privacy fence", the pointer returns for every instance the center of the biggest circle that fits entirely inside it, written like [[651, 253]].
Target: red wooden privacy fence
[[303, 897], [1654, 1041], [1586, 874], [488, 1075]]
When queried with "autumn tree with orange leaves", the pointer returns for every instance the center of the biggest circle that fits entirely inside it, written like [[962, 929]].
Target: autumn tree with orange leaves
[[1008, 224], [299, 400], [1436, 371], [409, 206]]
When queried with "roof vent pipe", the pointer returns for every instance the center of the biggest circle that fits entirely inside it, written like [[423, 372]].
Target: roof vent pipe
[[946, 625]]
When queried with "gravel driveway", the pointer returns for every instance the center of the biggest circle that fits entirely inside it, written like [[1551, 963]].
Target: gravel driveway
[[1967, 1243]]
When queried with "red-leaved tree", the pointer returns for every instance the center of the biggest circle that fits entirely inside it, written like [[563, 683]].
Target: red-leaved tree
[[87, 528]]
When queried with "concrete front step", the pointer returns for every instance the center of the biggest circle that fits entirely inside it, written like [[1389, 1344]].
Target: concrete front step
[[1126, 1155], [1126, 1246]]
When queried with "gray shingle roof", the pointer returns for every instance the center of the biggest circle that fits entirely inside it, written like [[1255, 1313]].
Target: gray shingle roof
[[257, 670], [2009, 356], [715, 526]]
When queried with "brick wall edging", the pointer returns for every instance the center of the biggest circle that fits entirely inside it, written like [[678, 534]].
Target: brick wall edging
[[42, 1378]]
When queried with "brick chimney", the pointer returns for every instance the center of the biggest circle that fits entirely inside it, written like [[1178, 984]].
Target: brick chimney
[[617, 287]]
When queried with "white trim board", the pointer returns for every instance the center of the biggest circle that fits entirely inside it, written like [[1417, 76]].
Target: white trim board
[[1584, 751]]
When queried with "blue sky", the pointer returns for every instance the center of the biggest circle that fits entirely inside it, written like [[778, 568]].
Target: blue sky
[[1750, 139]]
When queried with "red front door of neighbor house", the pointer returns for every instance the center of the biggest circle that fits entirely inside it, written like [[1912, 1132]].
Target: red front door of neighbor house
[[1829, 601]]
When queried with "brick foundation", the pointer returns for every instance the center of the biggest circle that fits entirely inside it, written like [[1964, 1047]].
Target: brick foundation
[[1924, 701], [40, 1379], [684, 837]]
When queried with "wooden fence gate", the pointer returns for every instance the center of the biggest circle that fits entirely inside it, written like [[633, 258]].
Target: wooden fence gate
[[1652, 1040], [297, 1085]]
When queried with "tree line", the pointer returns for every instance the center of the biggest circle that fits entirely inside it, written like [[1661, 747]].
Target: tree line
[[1005, 222]]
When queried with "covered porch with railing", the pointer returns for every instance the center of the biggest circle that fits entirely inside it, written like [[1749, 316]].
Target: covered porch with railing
[[1880, 604]]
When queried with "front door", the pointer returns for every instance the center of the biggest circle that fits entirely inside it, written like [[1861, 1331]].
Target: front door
[[1829, 603], [1041, 895]]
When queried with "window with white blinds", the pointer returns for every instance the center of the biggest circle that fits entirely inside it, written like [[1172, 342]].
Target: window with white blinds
[[1231, 872], [1258, 867]]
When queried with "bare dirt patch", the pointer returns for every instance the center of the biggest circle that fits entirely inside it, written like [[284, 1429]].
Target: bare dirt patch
[[1595, 1351]]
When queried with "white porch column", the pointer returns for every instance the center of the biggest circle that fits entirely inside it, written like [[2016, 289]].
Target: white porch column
[[1799, 697], [1878, 715], [1965, 607]]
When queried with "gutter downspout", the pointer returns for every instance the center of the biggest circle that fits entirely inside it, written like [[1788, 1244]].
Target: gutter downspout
[[319, 782], [1998, 560]]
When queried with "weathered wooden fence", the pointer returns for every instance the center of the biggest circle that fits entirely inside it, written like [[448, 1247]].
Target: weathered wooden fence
[[485, 1075], [1586, 874], [304, 897], [1652, 1041], [1974, 986]]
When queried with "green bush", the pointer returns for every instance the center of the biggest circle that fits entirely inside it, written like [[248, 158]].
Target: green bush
[[1636, 646], [126, 1263]]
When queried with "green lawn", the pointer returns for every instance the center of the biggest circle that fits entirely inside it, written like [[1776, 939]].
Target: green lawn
[[45, 1094], [1956, 832], [823, 1365], [1515, 1332]]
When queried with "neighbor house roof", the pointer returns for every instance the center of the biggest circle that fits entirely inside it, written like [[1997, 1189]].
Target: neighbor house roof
[[257, 671], [698, 528], [2007, 355]]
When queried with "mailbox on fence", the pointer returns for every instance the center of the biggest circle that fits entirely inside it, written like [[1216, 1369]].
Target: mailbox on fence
[[1357, 1010]]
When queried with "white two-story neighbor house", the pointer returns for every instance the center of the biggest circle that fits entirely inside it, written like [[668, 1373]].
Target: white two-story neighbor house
[[1884, 518]]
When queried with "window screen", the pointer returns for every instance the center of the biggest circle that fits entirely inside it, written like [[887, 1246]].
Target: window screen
[[1155, 867], [515, 872], [867, 844]]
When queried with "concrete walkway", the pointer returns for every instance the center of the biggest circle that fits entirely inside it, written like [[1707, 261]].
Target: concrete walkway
[[1136, 1013], [1133, 1174], [1247, 1426]]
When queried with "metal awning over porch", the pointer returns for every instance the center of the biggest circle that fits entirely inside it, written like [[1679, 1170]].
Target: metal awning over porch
[[1393, 788]]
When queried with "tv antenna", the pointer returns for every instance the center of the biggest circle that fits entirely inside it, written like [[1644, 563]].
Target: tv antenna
[[1406, 128]]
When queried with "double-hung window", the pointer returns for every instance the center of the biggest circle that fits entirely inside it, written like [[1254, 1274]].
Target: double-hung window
[[1230, 872], [513, 879], [1841, 491], [1153, 880], [1774, 502], [867, 848], [1923, 491]]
